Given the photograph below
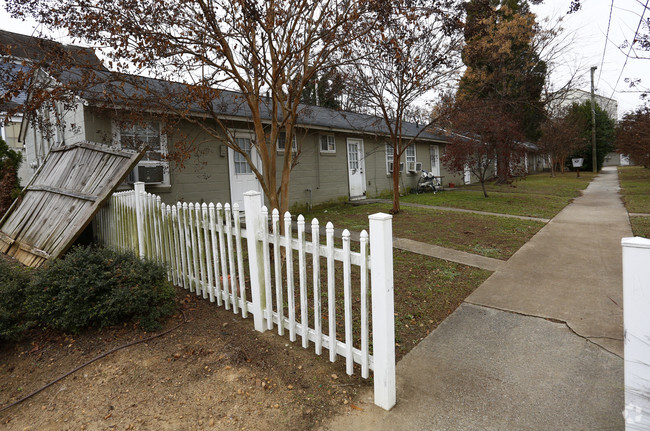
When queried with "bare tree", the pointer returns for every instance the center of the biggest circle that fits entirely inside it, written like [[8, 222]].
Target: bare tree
[[416, 51], [633, 136], [561, 136], [268, 51], [483, 130]]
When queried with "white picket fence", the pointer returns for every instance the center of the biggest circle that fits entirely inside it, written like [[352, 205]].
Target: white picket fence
[[202, 247]]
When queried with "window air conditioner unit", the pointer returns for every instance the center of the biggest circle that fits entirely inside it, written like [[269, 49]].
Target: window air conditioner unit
[[147, 174], [411, 166], [391, 164]]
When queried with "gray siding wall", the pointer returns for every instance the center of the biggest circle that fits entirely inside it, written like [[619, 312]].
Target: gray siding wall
[[204, 175], [317, 178]]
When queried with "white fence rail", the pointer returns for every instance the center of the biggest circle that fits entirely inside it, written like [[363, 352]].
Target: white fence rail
[[291, 283]]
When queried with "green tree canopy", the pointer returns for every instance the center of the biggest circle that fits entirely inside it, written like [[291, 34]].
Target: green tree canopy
[[605, 133]]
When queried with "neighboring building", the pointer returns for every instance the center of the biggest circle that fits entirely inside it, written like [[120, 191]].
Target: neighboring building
[[17, 52], [580, 96]]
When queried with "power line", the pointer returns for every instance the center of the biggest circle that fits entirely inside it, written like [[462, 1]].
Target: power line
[[602, 60], [627, 57]]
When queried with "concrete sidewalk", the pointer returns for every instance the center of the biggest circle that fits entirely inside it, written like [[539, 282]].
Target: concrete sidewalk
[[571, 269], [536, 347]]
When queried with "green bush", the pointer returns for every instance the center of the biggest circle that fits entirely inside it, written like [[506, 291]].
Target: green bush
[[96, 287], [13, 284]]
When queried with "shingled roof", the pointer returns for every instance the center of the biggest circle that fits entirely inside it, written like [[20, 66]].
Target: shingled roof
[[110, 89], [37, 49]]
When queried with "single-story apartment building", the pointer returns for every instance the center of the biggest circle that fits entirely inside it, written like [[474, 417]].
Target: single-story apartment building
[[344, 155]]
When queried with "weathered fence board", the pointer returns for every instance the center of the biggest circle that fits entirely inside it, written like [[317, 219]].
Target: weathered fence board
[[62, 199]]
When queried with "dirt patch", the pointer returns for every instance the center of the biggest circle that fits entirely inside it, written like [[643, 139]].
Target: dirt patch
[[214, 372]]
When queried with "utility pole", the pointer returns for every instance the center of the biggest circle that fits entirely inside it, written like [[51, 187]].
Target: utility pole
[[593, 123]]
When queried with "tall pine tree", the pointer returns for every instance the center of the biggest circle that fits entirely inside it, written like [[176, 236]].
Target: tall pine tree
[[503, 66]]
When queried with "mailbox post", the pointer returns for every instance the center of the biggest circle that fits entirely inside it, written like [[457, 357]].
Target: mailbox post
[[577, 163]]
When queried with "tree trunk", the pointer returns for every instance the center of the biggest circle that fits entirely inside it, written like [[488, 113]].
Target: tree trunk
[[483, 187], [503, 166], [396, 174]]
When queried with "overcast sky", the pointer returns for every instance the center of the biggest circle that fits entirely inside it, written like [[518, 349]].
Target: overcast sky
[[588, 27]]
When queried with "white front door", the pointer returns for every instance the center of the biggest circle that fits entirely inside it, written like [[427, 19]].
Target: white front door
[[242, 178], [356, 168], [434, 153]]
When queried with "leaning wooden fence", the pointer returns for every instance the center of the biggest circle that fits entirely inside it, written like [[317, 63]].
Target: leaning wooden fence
[[202, 246]]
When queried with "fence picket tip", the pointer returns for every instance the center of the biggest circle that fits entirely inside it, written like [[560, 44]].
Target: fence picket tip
[[185, 206], [211, 205], [275, 212], [227, 206], [287, 216], [264, 210], [329, 226], [301, 219], [314, 222], [204, 206], [235, 206], [219, 206], [363, 234], [345, 233]]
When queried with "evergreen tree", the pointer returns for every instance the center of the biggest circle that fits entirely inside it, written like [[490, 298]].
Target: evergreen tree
[[605, 134], [325, 90], [503, 66]]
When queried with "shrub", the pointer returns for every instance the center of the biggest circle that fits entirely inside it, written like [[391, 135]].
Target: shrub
[[96, 287], [14, 280]]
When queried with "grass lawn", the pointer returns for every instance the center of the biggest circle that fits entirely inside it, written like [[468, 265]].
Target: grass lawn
[[491, 236], [538, 195], [640, 226], [427, 290], [635, 188]]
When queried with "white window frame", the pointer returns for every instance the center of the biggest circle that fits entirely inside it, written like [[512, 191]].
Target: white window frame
[[389, 157], [330, 144], [282, 143], [237, 155], [117, 142], [410, 157]]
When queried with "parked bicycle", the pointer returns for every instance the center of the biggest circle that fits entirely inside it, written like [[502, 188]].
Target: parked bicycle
[[429, 183]]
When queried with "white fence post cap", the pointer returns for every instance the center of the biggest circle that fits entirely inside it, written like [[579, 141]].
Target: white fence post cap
[[636, 242], [380, 216]]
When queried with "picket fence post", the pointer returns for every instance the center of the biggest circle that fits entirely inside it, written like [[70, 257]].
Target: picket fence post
[[383, 317], [636, 309], [253, 211], [139, 216]]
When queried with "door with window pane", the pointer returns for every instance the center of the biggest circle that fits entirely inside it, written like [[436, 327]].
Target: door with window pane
[[434, 152], [356, 176], [242, 178]]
